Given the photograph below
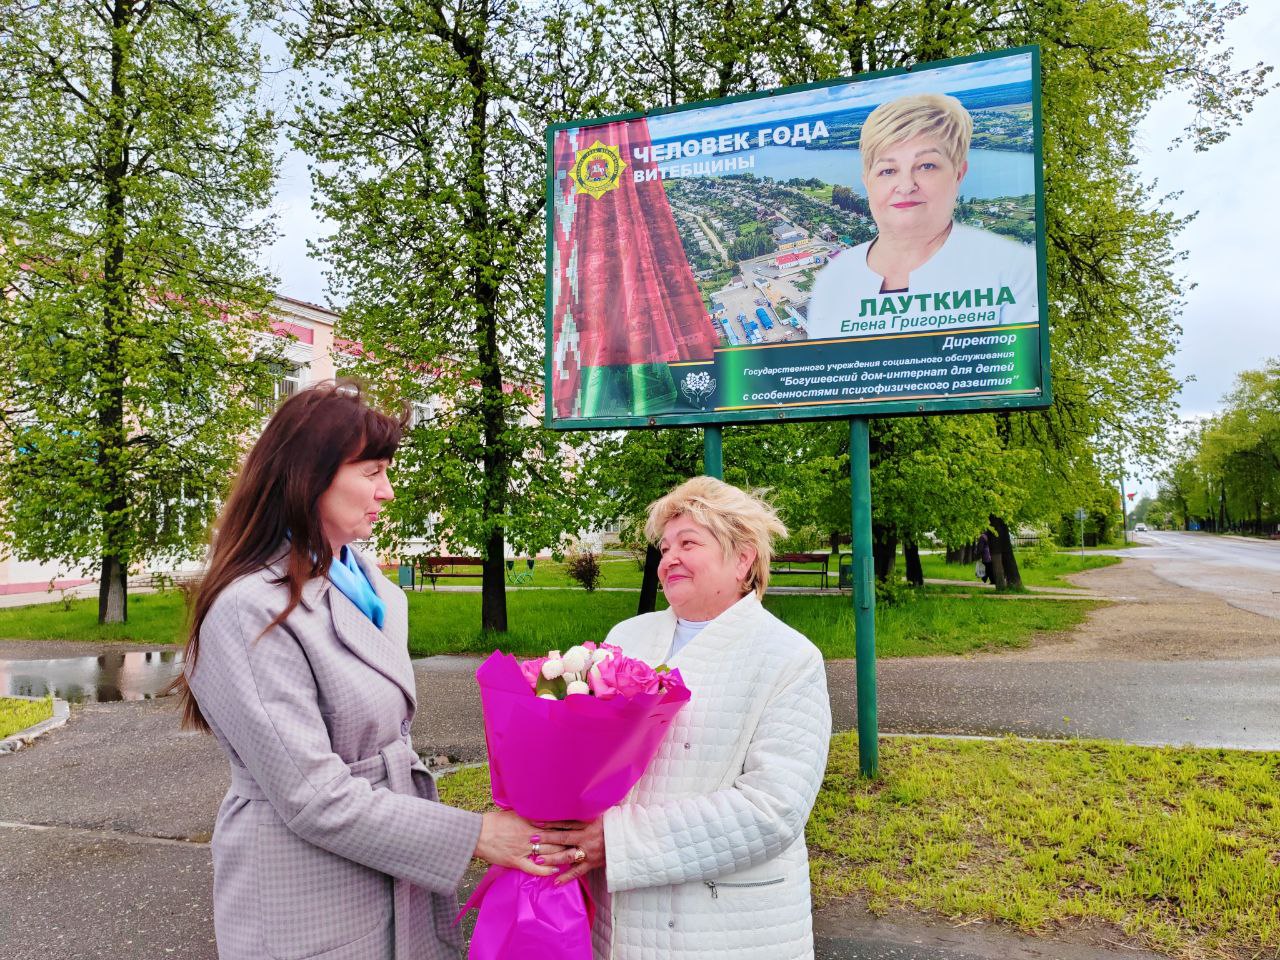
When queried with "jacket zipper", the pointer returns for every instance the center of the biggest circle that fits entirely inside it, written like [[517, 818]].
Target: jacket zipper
[[715, 891]]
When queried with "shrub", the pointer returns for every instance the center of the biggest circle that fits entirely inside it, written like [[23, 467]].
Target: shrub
[[803, 539], [894, 592], [585, 568], [1038, 553]]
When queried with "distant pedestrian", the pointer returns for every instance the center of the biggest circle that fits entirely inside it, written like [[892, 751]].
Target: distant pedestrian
[[331, 841], [983, 567]]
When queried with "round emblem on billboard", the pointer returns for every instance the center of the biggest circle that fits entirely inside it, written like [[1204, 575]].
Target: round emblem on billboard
[[597, 169]]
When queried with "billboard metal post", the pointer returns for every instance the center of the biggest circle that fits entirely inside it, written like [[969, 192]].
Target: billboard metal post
[[864, 595], [712, 455]]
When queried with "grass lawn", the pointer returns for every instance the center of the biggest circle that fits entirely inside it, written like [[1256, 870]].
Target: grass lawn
[[153, 618], [1174, 847], [18, 714], [1051, 573], [933, 624], [540, 620]]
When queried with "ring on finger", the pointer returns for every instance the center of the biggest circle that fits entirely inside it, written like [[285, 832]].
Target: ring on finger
[[579, 854], [535, 849]]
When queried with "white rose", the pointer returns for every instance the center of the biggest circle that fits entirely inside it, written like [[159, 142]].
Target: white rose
[[577, 686], [553, 668], [547, 696]]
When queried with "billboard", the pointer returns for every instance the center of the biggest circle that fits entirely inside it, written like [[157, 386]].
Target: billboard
[[870, 246]]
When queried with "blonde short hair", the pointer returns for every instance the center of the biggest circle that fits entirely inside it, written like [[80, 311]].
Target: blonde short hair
[[935, 115], [735, 518]]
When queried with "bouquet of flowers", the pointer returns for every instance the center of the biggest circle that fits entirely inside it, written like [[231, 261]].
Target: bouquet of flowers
[[568, 736]]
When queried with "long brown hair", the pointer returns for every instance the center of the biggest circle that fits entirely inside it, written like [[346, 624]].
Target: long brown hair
[[273, 502]]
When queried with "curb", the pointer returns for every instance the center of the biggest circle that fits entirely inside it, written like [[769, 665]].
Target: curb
[[23, 738]]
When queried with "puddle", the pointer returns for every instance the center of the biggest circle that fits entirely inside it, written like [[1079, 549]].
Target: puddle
[[140, 675]]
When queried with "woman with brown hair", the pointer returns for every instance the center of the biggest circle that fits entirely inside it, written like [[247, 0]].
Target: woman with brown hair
[[331, 841]]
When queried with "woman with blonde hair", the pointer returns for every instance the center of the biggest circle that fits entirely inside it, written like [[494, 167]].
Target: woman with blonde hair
[[706, 857], [915, 155]]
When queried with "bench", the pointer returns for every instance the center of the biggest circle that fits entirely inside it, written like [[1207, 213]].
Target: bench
[[158, 581], [800, 563], [434, 568]]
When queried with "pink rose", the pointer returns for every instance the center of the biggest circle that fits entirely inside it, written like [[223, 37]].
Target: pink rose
[[602, 678], [633, 677], [532, 670], [671, 680]]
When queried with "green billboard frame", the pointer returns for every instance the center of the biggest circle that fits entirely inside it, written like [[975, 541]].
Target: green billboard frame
[[861, 408]]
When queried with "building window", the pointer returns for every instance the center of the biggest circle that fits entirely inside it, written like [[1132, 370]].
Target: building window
[[286, 380], [420, 413]]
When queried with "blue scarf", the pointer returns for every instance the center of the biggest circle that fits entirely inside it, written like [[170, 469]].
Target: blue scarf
[[347, 576]]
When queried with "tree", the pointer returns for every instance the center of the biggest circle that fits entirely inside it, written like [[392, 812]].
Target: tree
[[135, 168], [635, 468], [1227, 471], [1113, 265], [424, 121]]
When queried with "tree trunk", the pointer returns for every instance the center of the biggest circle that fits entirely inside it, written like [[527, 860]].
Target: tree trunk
[[485, 279], [649, 582], [1002, 555], [884, 550], [113, 592], [493, 589], [954, 554], [113, 604], [915, 572]]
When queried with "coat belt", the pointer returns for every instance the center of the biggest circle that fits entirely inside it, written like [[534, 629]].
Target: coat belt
[[391, 768]]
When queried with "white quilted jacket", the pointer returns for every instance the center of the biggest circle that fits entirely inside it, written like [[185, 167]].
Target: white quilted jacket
[[706, 857]]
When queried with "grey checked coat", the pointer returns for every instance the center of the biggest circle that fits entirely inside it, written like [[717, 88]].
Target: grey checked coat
[[330, 842]]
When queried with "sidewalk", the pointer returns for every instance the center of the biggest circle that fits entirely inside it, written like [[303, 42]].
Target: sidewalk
[[105, 822]]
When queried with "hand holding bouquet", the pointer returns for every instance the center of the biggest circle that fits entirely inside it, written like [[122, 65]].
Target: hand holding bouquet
[[568, 736]]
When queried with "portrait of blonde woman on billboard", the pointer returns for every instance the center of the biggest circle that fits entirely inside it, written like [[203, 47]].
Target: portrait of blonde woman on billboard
[[940, 274]]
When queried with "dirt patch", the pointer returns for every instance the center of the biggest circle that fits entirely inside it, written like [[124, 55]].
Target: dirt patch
[[1155, 620]]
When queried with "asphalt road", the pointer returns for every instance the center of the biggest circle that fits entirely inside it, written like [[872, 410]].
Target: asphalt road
[[1244, 572]]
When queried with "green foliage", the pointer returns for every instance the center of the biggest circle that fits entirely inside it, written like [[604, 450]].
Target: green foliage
[[136, 170], [894, 592], [1226, 474], [425, 130], [1038, 554], [755, 243], [846, 199], [638, 467], [807, 538], [584, 567]]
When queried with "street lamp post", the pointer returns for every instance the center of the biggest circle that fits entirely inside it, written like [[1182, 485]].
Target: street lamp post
[[1124, 512]]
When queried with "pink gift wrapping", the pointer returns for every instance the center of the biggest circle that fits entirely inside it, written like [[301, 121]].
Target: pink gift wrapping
[[568, 759]]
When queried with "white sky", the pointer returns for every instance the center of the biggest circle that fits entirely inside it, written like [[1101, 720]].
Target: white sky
[[1229, 323]]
